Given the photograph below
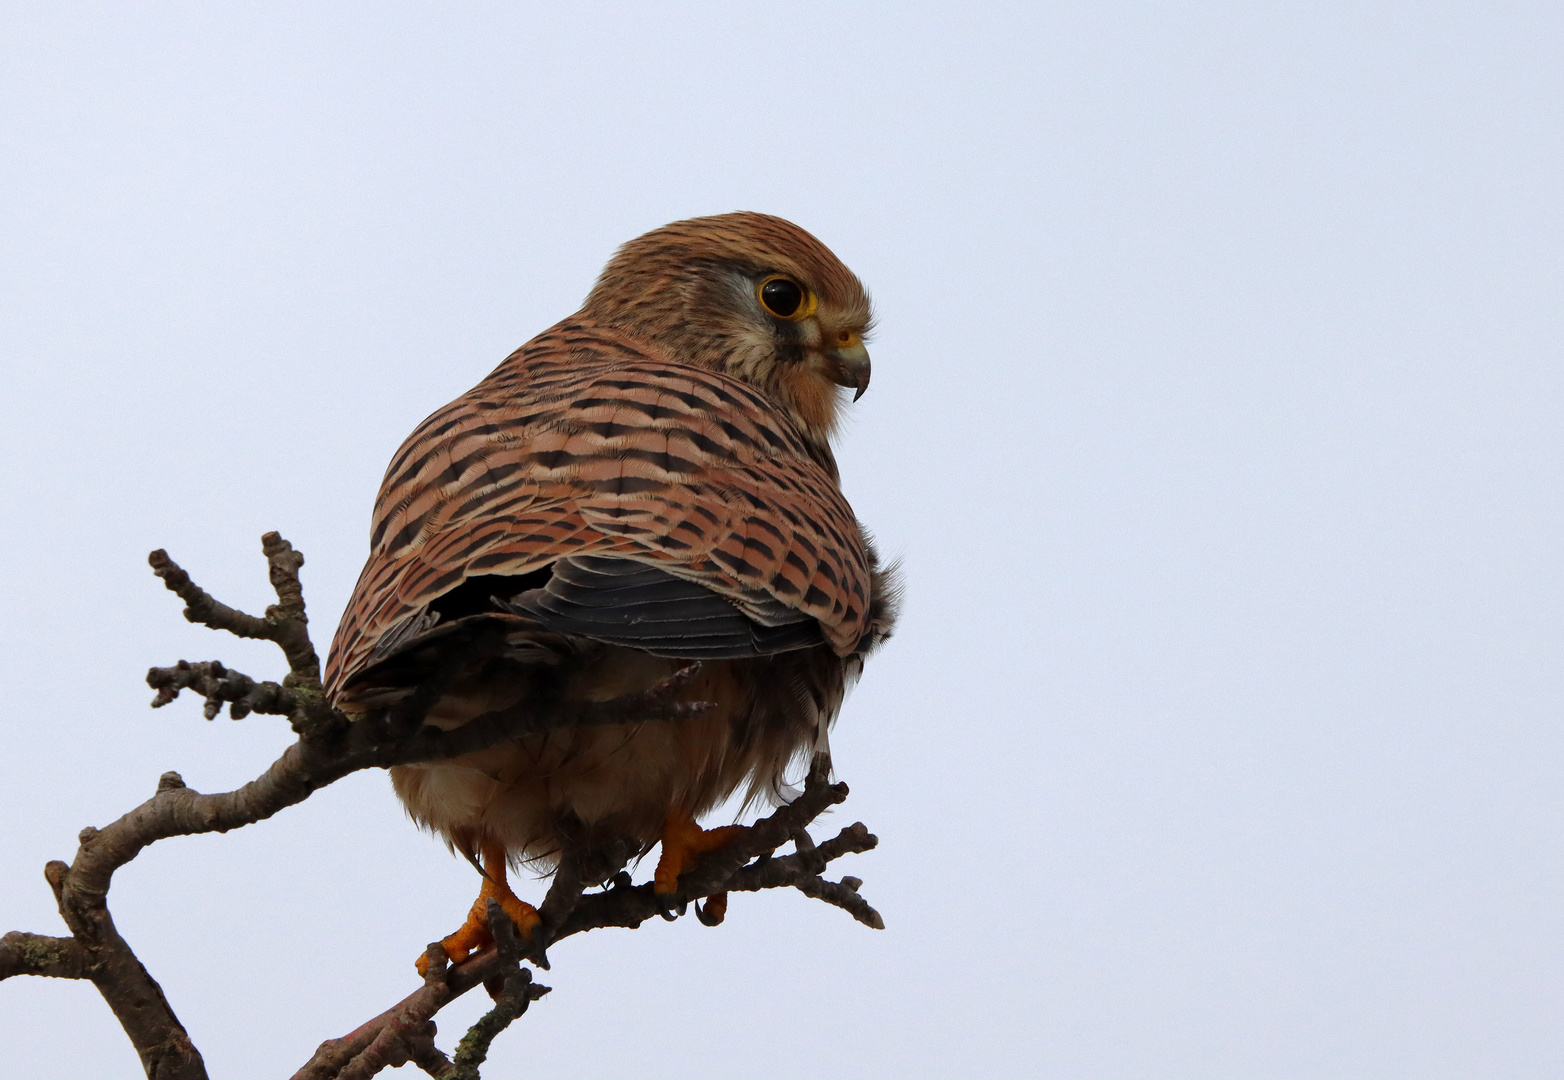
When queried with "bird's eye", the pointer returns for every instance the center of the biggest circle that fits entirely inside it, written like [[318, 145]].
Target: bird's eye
[[783, 297]]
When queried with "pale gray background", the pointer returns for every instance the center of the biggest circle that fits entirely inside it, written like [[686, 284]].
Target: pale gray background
[[1216, 415]]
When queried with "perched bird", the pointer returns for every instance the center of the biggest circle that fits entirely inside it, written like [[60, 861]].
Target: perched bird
[[647, 484]]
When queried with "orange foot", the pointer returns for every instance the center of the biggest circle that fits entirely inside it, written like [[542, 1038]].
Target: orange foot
[[475, 933], [715, 911], [683, 843]]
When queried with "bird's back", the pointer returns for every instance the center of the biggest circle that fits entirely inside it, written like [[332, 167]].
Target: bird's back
[[585, 443]]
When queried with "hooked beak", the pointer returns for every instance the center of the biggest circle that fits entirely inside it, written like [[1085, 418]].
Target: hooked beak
[[850, 366]]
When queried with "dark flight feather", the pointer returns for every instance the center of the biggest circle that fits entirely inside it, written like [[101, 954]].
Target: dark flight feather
[[634, 604]]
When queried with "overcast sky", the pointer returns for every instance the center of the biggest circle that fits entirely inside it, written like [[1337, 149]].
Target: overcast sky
[[1216, 418]]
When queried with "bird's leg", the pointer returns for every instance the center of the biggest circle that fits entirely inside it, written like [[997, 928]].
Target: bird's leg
[[683, 843], [475, 933]]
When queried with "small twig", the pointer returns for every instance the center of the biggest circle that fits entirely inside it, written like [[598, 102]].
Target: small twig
[[519, 992], [220, 685], [289, 622], [285, 624], [36, 954], [200, 606], [731, 869], [841, 895]]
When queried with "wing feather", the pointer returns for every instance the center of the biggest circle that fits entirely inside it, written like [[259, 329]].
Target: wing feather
[[625, 602], [583, 444]]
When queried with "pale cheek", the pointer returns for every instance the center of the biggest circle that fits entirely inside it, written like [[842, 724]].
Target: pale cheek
[[750, 355]]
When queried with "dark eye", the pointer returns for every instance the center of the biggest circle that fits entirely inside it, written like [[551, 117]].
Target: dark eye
[[781, 296]]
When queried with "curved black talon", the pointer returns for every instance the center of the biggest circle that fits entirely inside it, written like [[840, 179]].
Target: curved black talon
[[683, 906], [706, 918], [665, 910], [539, 948]]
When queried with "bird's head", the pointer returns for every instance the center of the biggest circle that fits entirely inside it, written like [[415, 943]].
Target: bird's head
[[751, 296]]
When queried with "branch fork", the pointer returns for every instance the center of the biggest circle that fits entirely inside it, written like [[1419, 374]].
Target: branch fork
[[331, 745]]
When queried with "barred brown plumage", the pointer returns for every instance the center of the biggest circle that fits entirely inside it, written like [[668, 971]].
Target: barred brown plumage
[[646, 483]]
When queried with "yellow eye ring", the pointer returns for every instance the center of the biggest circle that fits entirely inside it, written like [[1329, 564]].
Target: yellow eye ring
[[785, 298]]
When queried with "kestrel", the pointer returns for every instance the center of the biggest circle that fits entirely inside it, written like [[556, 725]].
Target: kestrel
[[646, 484]]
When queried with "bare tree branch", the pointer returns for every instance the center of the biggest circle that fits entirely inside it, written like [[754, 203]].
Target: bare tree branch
[[132, 994], [285, 623], [220, 686], [331, 745], [200, 606], [405, 1032], [290, 624], [34, 954], [519, 992], [516, 991]]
